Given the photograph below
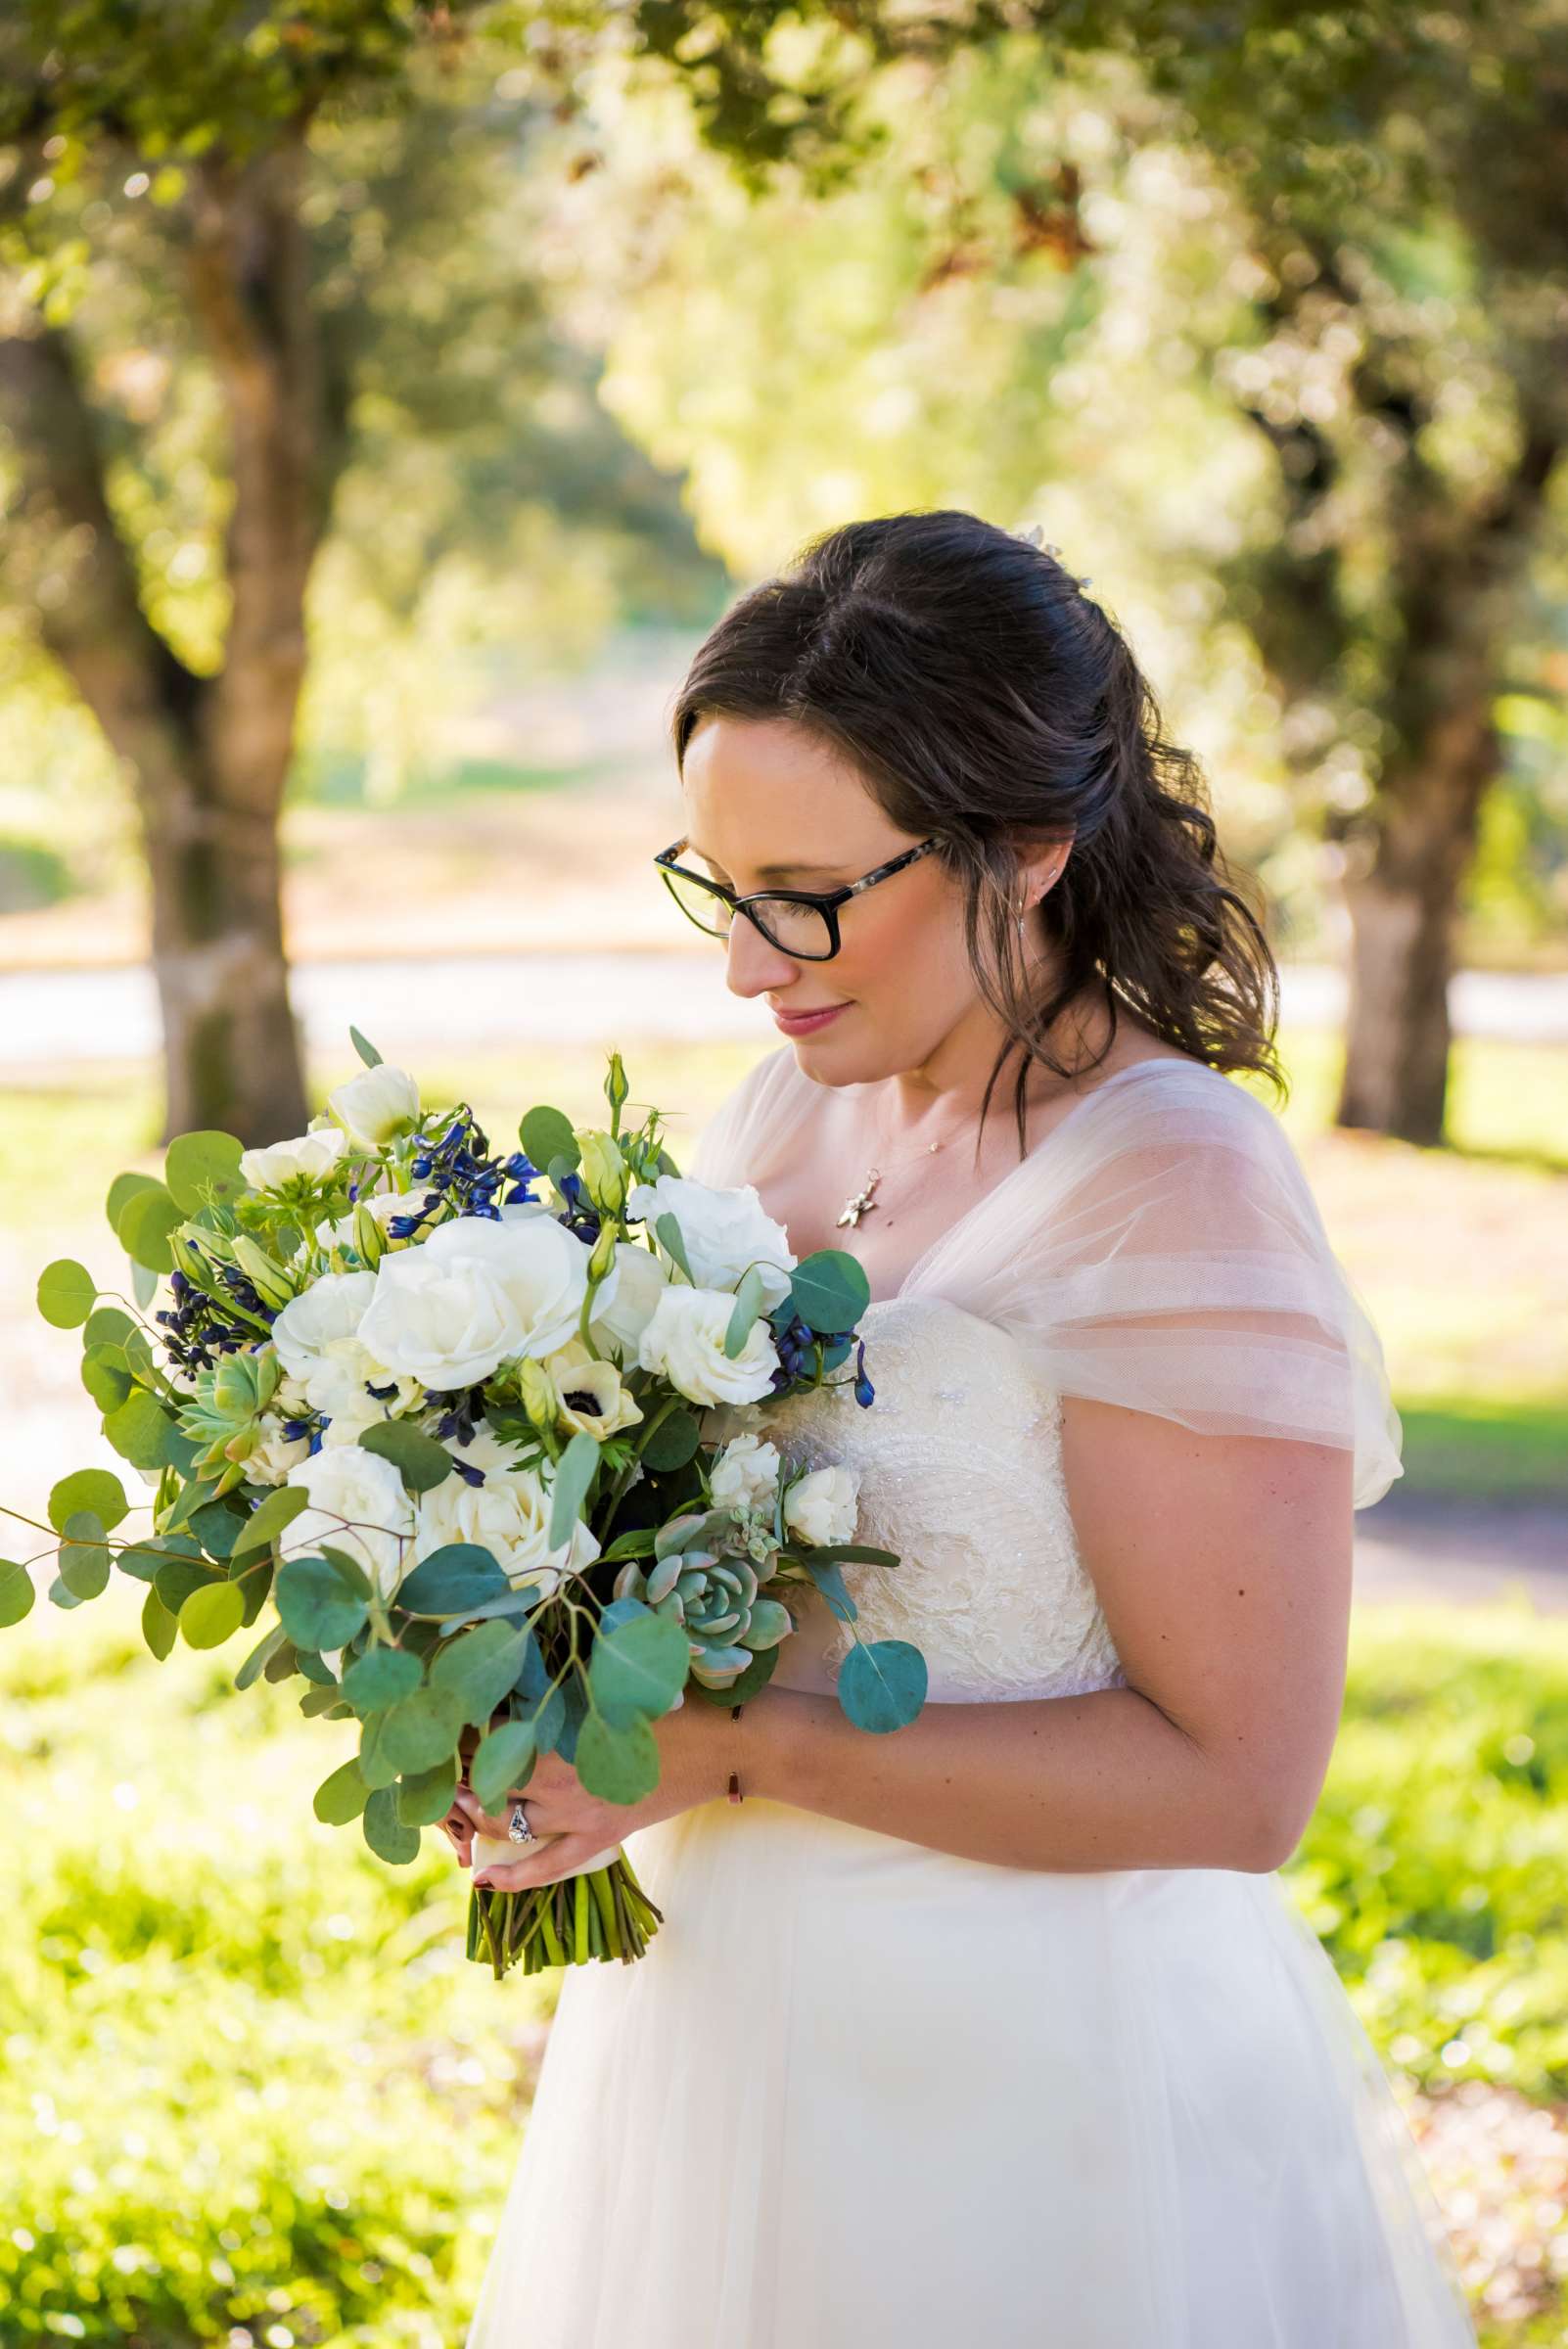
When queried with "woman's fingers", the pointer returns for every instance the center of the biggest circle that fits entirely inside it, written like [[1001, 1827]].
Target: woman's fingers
[[546, 1865]]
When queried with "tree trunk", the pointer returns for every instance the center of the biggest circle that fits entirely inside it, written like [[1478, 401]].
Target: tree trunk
[[231, 1044], [208, 757], [1401, 890]]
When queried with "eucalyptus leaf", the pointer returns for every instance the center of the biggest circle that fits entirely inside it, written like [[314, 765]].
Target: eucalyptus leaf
[[144, 1226], [829, 1290], [260, 1655], [574, 1472], [748, 1304], [638, 1668], [425, 1796], [365, 1048], [122, 1189], [882, 1684], [547, 1133], [501, 1762], [478, 1668], [668, 1232], [316, 1606], [84, 1555], [829, 1580], [385, 1832], [144, 1283], [178, 1577], [66, 1293], [209, 1616], [108, 1326], [340, 1797], [202, 1167], [160, 1629], [104, 1376], [92, 1489], [418, 1458], [673, 1441], [451, 1580], [140, 1429], [420, 1729], [270, 1517], [17, 1592], [618, 1763], [381, 1678]]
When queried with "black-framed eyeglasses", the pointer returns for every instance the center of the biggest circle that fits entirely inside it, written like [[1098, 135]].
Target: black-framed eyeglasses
[[802, 923]]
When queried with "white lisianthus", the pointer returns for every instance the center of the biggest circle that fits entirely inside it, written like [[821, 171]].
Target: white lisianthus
[[684, 1342], [725, 1231], [744, 1474], [312, 1155], [508, 1514], [276, 1453], [592, 1397], [623, 1303], [376, 1105], [540, 1267], [445, 1323], [358, 1506], [331, 1307], [822, 1507]]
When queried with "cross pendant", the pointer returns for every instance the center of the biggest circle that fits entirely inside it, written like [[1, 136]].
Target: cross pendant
[[855, 1208]]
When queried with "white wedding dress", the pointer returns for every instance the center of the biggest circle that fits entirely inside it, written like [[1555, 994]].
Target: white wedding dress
[[859, 2091]]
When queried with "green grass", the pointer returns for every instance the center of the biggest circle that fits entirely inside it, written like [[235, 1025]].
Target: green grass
[[254, 2083]]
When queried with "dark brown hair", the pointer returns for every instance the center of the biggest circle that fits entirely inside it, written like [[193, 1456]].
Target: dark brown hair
[[984, 697]]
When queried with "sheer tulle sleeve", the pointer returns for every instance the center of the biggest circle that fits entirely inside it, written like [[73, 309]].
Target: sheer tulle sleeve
[[1162, 1249], [751, 1122]]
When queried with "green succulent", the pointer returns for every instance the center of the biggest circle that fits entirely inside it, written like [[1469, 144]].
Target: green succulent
[[223, 1411], [713, 1594]]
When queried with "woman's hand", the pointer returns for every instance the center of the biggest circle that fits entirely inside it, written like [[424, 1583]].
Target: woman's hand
[[697, 1750]]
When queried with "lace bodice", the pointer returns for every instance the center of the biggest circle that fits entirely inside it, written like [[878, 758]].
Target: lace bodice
[[960, 1466]]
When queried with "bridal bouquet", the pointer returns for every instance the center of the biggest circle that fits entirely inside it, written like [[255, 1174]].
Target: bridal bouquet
[[442, 1413]]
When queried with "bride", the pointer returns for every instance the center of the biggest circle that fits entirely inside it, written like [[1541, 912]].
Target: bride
[[1002, 2027]]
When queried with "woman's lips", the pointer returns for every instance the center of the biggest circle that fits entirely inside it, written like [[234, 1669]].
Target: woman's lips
[[807, 1023]]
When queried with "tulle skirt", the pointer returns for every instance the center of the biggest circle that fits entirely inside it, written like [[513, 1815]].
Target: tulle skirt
[[862, 2095]]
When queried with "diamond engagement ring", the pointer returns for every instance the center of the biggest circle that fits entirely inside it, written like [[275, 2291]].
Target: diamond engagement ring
[[517, 1826]]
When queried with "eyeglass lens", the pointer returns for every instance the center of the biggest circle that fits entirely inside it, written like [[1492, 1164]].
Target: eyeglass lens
[[793, 929]]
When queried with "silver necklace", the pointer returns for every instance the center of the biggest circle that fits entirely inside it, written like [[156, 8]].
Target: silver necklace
[[862, 1202]]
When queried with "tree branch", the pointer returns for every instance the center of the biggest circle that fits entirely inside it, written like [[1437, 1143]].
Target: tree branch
[[65, 553]]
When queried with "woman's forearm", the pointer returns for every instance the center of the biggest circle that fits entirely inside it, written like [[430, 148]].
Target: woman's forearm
[[1103, 1780]]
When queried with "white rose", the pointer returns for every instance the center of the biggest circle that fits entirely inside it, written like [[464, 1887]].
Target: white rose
[[276, 1453], [331, 1307], [822, 1507], [745, 1475], [684, 1342], [724, 1232], [374, 1106], [624, 1302], [313, 1155], [540, 1267], [445, 1323], [358, 1506], [508, 1514]]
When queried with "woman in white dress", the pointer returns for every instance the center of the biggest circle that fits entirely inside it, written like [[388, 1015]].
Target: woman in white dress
[[1002, 2027]]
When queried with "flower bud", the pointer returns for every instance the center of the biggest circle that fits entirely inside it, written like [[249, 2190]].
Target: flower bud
[[602, 1170]]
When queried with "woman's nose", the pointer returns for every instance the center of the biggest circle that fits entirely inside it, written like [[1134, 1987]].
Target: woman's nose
[[753, 963]]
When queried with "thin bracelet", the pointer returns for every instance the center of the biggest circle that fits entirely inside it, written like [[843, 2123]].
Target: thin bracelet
[[735, 1794]]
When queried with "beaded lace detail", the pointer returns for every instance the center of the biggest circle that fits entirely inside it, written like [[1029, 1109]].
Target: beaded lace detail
[[959, 1459]]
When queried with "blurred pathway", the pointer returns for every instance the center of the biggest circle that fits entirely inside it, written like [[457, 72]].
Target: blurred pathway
[[53, 1018]]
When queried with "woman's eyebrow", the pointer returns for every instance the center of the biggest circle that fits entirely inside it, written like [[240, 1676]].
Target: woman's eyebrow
[[770, 872]]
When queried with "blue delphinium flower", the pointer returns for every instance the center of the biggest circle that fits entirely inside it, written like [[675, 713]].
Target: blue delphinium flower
[[864, 1391]]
